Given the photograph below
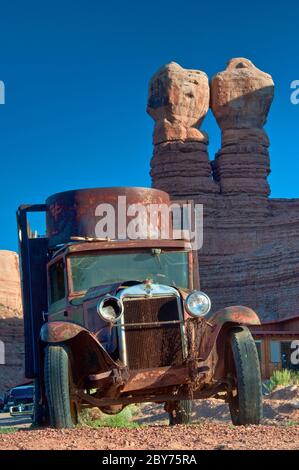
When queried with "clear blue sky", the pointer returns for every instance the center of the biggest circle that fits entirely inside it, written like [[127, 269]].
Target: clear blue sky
[[76, 75]]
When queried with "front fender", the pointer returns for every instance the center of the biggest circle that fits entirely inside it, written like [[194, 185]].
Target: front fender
[[84, 342], [214, 323], [236, 314], [60, 331]]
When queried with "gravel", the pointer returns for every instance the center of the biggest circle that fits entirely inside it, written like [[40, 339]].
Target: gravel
[[211, 429], [206, 435]]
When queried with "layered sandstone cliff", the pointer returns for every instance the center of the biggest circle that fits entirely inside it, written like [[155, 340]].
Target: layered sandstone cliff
[[10, 292], [250, 253], [11, 321]]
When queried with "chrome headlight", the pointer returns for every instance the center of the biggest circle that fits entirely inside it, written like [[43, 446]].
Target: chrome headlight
[[198, 304], [110, 308]]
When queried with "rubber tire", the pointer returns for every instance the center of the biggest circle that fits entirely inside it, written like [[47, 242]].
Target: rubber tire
[[247, 407], [57, 386], [183, 413]]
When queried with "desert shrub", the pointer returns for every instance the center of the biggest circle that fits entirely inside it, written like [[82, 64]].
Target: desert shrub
[[95, 418], [283, 378], [7, 430]]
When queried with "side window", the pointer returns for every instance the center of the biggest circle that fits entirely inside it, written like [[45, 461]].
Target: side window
[[57, 285], [275, 351]]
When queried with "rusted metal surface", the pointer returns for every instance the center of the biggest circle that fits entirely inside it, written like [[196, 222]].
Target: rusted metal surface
[[235, 314], [213, 323], [88, 353], [203, 357], [128, 244], [156, 324], [176, 394], [204, 365], [156, 378], [184, 294], [73, 213], [113, 377], [195, 270], [146, 379], [59, 331], [151, 346]]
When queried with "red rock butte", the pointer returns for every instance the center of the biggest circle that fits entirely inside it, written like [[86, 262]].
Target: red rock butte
[[250, 253], [11, 322], [10, 293]]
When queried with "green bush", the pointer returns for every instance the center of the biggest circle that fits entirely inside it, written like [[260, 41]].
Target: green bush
[[7, 430], [95, 419], [283, 378]]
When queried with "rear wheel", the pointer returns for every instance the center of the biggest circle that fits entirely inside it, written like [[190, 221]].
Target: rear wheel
[[181, 414], [58, 384], [245, 402]]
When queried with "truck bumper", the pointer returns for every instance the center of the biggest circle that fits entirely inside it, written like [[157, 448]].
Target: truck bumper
[[146, 379]]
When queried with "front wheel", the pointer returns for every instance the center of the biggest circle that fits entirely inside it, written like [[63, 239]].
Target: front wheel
[[58, 384], [182, 413], [245, 402]]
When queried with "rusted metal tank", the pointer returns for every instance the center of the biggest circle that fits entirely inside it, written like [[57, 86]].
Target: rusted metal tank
[[75, 213]]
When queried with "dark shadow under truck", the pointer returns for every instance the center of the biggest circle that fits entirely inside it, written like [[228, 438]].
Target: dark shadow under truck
[[114, 322]]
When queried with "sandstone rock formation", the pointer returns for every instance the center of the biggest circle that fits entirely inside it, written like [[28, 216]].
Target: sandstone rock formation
[[241, 97], [11, 333], [11, 321], [10, 291], [178, 102], [250, 253]]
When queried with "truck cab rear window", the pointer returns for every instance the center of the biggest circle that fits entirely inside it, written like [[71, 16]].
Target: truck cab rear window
[[57, 282]]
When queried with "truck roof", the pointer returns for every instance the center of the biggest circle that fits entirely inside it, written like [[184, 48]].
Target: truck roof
[[95, 245]]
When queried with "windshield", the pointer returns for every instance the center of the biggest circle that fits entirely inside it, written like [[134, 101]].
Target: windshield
[[169, 268]]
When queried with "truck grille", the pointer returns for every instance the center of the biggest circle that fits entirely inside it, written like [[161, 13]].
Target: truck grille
[[152, 346]]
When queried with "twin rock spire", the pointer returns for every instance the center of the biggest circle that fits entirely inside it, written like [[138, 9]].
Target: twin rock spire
[[240, 98]]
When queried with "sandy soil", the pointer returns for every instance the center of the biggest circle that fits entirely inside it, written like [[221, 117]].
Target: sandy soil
[[207, 435], [211, 429], [279, 407]]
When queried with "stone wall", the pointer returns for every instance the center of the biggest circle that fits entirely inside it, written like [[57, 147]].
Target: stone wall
[[250, 253]]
